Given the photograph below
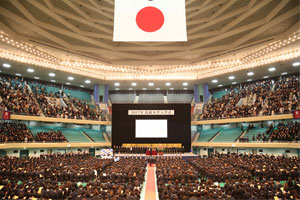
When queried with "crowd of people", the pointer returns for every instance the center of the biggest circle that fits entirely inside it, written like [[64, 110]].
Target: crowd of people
[[286, 132], [14, 132], [267, 98], [143, 150], [229, 176], [71, 176], [85, 110], [51, 136], [15, 97]]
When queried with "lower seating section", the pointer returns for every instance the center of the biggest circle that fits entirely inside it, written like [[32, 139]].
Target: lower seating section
[[14, 132], [74, 135], [206, 135], [122, 98], [151, 98], [256, 134], [97, 136], [228, 135]]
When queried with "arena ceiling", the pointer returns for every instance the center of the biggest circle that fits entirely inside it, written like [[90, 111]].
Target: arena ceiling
[[223, 36]]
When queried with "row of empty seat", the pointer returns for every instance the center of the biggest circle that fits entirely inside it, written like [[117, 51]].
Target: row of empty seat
[[223, 135]]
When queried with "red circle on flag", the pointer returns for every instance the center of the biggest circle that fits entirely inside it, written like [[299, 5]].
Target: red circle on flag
[[150, 19]]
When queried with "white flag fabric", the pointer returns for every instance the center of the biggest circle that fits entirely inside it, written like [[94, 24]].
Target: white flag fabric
[[150, 20]]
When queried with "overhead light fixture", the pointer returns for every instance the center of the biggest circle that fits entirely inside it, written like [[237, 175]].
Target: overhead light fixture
[[53, 81], [157, 88], [82, 86], [51, 74], [296, 64], [220, 85], [185, 88], [233, 83], [133, 84], [68, 83], [250, 73], [36, 77], [117, 84], [231, 77], [185, 84], [150, 84], [17, 74], [117, 88], [272, 69], [71, 78], [144, 89], [266, 77], [214, 81], [168, 84], [284, 73], [6, 65], [87, 81], [249, 80], [30, 70]]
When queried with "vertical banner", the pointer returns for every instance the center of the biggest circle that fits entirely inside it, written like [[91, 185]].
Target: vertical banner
[[6, 115]]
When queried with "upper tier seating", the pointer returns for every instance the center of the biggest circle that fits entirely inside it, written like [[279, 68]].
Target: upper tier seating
[[220, 94], [122, 98], [206, 135], [74, 135], [180, 98], [94, 134], [228, 135], [81, 95], [151, 98]]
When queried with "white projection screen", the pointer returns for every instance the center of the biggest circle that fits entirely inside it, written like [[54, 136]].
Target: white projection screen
[[151, 128]]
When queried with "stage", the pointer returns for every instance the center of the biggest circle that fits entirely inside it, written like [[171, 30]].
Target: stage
[[184, 156]]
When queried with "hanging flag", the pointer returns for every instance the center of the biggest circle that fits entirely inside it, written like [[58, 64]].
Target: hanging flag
[[150, 20]]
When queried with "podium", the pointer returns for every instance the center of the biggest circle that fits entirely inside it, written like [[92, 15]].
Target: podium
[[154, 152]]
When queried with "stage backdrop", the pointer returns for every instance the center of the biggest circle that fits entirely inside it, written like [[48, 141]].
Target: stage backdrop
[[126, 116]]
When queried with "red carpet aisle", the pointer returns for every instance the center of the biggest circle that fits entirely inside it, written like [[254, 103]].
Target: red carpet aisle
[[151, 191]]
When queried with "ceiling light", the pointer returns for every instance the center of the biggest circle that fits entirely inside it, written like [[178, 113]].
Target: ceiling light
[[266, 77], [220, 85], [284, 73], [214, 81], [130, 89], [150, 84], [296, 64], [272, 69], [117, 84], [234, 83], [36, 77], [53, 81], [133, 84], [171, 88], [168, 84], [144, 88], [68, 83], [70, 78], [51, 74], [249, 80], [185, 88], [81, 85], [87, 81], [30, 70], [157, 88], [185, 84], [0, 71], [6, 65], [231, 77], [250, 73], [17, 74], [117, 89]]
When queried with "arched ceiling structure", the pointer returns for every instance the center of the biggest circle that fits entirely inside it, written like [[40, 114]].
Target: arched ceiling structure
[[223, 36]]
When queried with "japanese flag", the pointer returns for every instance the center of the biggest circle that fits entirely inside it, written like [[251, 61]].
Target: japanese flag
[[150, 20]]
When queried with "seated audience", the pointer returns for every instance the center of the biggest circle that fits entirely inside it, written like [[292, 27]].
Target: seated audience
[[14, 132], [51, 136]]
